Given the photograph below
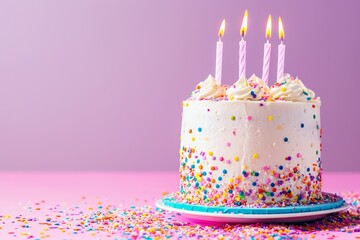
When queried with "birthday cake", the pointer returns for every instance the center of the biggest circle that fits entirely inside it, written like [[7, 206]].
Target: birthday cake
[[250, 144]]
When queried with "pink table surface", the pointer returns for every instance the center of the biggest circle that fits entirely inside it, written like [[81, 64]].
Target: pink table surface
[[21, 191]]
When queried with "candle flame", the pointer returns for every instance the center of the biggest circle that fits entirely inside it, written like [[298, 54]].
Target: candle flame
[[281, 30], [222, 28], [244, 24], [268, 28]]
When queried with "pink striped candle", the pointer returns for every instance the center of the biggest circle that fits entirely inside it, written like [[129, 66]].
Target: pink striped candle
[[267, 52], [242, 47], [281, 53], [219, 54], [242, 59]]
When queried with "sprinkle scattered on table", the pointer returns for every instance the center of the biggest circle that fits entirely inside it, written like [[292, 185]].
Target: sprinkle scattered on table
[[42, 220]]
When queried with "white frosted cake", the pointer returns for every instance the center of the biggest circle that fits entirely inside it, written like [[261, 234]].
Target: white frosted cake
[[250, 144]]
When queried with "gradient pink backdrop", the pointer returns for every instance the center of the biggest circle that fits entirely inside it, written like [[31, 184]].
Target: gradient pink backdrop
[[98, 85]]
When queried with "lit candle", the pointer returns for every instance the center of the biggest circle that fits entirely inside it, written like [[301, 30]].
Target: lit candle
[[267, 51], [242, 49], [219, 53], [281, 53]]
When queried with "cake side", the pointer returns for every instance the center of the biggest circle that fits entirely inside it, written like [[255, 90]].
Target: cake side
[[250, 152]]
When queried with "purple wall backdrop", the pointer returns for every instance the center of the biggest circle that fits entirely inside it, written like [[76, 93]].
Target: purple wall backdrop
[[98, 85]]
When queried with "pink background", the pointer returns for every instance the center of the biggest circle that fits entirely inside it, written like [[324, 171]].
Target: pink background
[[98, 85]]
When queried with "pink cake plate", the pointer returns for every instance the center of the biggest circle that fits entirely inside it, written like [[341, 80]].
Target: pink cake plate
[[221, 217]]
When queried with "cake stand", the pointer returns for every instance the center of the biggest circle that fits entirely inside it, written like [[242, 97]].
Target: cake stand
[[208, 214]]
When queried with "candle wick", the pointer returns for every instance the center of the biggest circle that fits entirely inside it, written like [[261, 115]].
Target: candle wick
[[267, 41]]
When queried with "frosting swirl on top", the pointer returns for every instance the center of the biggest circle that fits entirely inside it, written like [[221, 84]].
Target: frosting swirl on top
[[290, 89], [252, 89], [209, 88]]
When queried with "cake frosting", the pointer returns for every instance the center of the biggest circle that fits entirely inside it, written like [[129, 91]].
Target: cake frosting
[[250, 144], [208, 89], [252, 89], [290, 89]]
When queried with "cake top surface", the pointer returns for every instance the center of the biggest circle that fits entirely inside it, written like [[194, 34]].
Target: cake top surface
[[254, 89]]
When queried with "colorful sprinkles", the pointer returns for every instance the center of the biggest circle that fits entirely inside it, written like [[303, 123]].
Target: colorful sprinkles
[[107, 221], [261, 181]]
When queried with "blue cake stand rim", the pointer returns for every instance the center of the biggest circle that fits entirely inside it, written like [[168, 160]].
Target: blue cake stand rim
[[336, 202]]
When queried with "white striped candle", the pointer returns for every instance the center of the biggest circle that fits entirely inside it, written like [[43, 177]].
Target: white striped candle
[[242, 59], [281, 61], [281, 53], [242, 47], [266, 62], [267, 52], [219, 54]]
